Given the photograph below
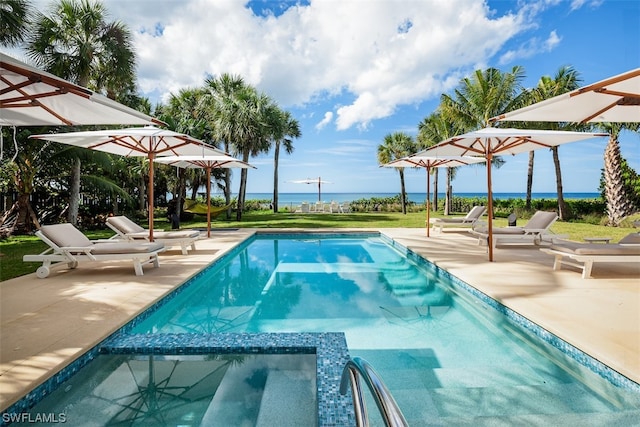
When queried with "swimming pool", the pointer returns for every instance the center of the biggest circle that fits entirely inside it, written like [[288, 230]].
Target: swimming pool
[[447, 357]]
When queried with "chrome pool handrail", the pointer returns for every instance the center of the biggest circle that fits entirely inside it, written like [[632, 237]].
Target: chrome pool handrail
[[354, 369]]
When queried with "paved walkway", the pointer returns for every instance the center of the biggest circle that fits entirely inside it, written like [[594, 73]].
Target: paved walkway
[[47, 323]]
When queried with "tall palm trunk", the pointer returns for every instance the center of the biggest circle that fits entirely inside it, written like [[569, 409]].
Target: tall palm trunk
[[243, 187], [74, 196], [619, 204], [563, 211], [227, 184], [435, 190], [403, 194], [527, 203], [142, 194], [449, 193], [276, 155]]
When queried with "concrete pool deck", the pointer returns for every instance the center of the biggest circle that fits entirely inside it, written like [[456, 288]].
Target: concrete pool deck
[[47, 323]]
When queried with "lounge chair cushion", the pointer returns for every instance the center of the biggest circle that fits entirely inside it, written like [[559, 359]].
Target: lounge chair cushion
[[134, 231], [125, 225], [125, 248], [539, 221], [65, 235], [631, 239], [595, 248]]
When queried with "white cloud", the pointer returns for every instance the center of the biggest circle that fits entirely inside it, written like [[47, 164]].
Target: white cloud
[[532, 47], [381, 54], [328, 116]]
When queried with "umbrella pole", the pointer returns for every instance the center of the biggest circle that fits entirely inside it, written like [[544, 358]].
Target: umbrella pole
[[150, 192], [319, 192], [490, 206], [208, 202], [428, 199]]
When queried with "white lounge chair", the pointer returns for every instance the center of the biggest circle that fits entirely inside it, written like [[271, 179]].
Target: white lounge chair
[[67, 245], [464, 221], [584, 255], [345, 207], [303, 208], [535, 231], [130, 231]]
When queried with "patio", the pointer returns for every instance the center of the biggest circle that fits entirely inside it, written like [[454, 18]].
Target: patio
[[47, 323]]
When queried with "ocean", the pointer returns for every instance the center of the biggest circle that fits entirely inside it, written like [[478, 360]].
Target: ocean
[[294, 199]]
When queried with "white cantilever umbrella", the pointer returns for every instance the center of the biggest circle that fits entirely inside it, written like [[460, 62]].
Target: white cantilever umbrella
[[32, 97], [495, 141], [148, 141], [313, 181], [207, 163], [429, 162], [615, 100]]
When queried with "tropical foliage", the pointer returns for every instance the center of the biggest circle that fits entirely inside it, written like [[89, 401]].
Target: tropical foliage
[[394, 147], [75, 40]]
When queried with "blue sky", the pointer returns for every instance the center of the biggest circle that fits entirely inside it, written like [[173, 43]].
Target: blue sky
[[354, 71]]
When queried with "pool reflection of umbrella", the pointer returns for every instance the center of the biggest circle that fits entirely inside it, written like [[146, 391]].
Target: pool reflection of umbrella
[[615, 100], [213, 319], [32, 97], [488, 142], [153, 389], [417, 161], [317, 180], [207, 163], [147, 141]]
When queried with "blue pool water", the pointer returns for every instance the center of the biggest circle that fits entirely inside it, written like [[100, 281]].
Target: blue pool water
[[447, 357]]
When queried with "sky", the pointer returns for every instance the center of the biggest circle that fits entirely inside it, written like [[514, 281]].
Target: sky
[[353, 71]]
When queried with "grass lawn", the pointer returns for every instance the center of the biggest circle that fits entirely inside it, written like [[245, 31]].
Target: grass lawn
[[13, 249]]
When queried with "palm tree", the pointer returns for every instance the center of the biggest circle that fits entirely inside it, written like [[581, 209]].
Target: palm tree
[[396, 146], [75, 41], [484, 95], [15, 17], [239, 115], [285, 129], [565, 80], [431, 130], [184, 113], [620, 203], [220, 92]]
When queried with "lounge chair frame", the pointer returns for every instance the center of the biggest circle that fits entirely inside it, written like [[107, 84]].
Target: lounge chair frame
[[472, 217], [56, 256], [584, 262], [167, 238]]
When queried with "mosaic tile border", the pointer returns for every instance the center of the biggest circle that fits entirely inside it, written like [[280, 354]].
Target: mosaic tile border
[[519, 321]]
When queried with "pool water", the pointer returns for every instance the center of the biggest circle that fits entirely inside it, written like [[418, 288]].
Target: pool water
[[447, 357], [161, 390]]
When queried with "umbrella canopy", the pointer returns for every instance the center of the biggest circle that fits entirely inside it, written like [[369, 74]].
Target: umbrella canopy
[[31, 97], [616, 100], [313, 181], [148, 141], [207, 163], [428, 162], [495, 141]]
